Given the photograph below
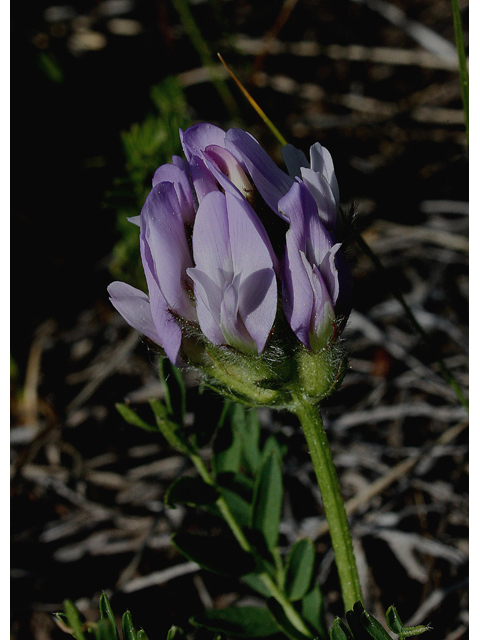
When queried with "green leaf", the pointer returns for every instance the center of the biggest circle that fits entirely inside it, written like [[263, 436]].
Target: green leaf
[[191, 491], [130, 416], [107, 614], [250, 441], [141, 635], [218, 554], [171, 431], [393, 620], [73, 619], [313, 612], [254, 581], [239, 507], [373, 627], [300, 563], [283, 622], [105, 631], [340, 631], [227, 446], [239, 622], [128, 629], [267, 500]]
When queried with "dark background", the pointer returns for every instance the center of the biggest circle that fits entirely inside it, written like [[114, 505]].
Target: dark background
[[396, 135]]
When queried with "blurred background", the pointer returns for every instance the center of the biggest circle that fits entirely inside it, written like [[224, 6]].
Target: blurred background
[[99, 90]]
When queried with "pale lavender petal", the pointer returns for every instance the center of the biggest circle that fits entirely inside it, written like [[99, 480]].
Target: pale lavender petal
[[165, 235], [169, 332], [251, 249], [258, 305], [299, 207], [321, 161], [269, 179], [294, 160], [323, 315], [196, 138], [227, 170], [134, 220], [231, 322], [135, 308], [321, 190], [203, 180], [208, 298], [210, 240], [180, 179], [329, 272], [297, 291]]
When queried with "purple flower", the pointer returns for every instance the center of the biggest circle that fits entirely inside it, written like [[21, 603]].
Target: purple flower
[[210, 267]]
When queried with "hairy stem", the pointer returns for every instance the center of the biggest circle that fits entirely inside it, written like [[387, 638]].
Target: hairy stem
[[311, 421]]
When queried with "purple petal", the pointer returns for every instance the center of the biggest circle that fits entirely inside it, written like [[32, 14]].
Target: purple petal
[[196, 138], [168, 331], [320, 189], [227, 170], [269, 179], [163, 231], [181, 181], [321, 162], [203, 180], [208, 297], [297, 291], [258, 305], [294, 160], [210, 240], [135, 308], [250, 246]]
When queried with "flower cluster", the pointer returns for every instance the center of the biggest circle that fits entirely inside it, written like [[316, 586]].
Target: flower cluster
[[213, 271]]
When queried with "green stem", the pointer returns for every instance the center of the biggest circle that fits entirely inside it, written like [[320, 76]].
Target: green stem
[[276, 592], [311, 421]]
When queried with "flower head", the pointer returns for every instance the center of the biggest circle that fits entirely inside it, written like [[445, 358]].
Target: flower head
[[217, 279]]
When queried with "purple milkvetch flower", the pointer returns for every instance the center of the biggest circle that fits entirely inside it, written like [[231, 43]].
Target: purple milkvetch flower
[[212, 273]]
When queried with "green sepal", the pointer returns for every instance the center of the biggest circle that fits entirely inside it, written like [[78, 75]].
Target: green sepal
[[106, 613], [340, 631], [171, 431], [190, 491], [267, 500], [128, 630], [219, 554], [313, 612], [239, 622], [283, 622], [130, 416], [299, 567]]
